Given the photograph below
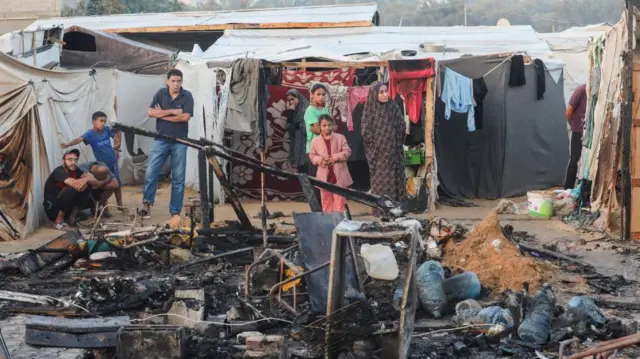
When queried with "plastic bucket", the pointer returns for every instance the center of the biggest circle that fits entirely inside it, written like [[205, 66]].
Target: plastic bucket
[[540, 204]]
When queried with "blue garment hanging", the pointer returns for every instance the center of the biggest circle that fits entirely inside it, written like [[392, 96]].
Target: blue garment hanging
[[457, 95]]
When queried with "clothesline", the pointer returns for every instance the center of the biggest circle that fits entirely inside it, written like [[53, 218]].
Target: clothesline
[[502, 62]]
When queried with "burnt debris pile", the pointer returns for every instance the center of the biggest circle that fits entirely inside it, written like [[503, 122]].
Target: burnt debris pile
[[328, 288]]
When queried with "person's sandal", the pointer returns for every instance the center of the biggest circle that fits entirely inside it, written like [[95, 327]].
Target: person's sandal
[[62, 226], [144, 213]]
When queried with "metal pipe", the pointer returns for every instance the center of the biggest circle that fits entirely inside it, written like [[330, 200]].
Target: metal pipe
[[202, 184], [212, 149], [226, 186], [212, 198], [294, 278], [263, 197], [606, 347], [247, 274]]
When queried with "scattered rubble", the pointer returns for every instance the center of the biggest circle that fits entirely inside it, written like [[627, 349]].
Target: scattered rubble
[[410, 289]]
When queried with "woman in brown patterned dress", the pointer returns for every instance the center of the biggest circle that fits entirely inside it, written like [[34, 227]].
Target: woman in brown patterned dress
[[383, 133]]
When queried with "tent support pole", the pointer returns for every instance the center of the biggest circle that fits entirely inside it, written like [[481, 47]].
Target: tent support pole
[[34, 49], [263, 208], [627, 125], [204, 195], [226, 185], [211, 194]]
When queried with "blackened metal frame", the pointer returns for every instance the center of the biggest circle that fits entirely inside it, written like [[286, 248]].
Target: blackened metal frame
[[337, 279]]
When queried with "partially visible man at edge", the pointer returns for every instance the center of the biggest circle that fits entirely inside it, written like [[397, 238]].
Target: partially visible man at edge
[[172, 107], [576, 110]]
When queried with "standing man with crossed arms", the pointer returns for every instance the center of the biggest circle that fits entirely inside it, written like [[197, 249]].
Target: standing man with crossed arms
[[172, 107]]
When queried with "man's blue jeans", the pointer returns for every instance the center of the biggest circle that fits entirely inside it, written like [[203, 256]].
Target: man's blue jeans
[[160, 150]]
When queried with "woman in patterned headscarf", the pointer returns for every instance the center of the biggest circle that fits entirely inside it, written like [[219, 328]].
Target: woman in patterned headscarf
[[297, 132], [383, 133]]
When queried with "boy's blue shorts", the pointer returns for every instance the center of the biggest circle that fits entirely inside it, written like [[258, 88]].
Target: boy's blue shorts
[[115, 169]]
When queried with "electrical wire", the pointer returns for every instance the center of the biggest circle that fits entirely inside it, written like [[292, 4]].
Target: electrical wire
[[68, 303], [455, 329], [217, 323]]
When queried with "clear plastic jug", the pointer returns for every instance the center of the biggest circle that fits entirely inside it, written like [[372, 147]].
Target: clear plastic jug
[[379, 261]]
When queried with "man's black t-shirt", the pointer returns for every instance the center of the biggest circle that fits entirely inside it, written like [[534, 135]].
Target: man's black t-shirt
[[55, 182]]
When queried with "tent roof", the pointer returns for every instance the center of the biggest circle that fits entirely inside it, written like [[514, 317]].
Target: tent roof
[[327, 16], [572, 46], [575, 38], [114, 51], [458, 41]]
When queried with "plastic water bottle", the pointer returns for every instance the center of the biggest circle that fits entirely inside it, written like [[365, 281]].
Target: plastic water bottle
[[462, 287], [496, 315], [536, 326], [429, 279], [490, 315], [467, 304], [379, 261], [586, 308], [397, 297]]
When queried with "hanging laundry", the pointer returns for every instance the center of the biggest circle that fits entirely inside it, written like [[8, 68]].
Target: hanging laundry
[[302, 79], [242, 104], [516, 76], [457, 95], [479, 94], [403, 109], [540, 78], [404, 79], [355, 95]]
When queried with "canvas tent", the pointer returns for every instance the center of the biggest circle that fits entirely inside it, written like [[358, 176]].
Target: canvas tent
[[38, 110], [85, 48], [571, 46], [522, 146]]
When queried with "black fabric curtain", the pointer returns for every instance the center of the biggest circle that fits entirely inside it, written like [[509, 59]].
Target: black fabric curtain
[[357, 163], [523, 145]]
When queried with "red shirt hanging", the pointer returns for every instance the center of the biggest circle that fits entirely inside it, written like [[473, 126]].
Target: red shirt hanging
[[404, 79]]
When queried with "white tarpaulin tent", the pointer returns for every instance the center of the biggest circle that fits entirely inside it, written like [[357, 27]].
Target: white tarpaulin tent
[[40, 109], [571, 46], [52, 106]]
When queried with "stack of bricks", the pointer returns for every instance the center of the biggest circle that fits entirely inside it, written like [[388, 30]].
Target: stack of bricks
[[260, 346]]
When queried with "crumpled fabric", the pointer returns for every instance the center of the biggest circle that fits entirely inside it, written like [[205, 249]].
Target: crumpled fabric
[[355, 95], [242, 105], [408, 78]]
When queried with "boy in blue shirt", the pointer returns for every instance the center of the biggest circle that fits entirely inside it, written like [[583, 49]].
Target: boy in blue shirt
[[99, 138]]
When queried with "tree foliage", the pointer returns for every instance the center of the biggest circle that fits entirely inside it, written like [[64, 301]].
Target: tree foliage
[[543, 15]]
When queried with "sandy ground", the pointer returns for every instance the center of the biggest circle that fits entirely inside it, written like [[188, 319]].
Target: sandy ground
[[609, 257], [606, 256], [132, 197]]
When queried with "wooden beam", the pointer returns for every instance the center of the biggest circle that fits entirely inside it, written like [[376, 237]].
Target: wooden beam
[[222, 27], [429, 119], [335, 64], [430, 107]]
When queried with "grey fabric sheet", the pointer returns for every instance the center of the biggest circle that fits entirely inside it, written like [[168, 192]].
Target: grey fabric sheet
[[537, 146], [242, 106], [522, 146]]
